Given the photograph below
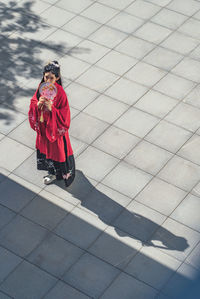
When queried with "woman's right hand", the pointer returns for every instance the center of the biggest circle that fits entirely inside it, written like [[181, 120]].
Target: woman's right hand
[[41, 102]]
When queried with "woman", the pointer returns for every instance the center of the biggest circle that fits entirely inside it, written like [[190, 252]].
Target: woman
[[51, 121]]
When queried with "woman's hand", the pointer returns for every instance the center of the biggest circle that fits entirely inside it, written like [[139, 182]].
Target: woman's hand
[[48, 104], [41, 102]]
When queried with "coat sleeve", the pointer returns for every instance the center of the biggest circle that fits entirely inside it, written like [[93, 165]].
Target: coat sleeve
[[33, 114], [59, 118]]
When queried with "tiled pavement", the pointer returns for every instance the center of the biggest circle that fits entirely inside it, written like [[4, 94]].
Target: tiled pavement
[[129, 226]]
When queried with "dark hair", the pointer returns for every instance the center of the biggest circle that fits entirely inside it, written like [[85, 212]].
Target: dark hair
[[54, 68]]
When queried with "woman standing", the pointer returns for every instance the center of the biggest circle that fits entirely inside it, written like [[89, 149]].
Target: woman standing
[[51, 121]]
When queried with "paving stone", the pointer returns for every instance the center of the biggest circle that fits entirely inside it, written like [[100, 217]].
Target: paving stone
[[92, 156], [168, 136], [156, 103], [191, 28], [116, 62], [188, 68], [126, 285], [145, 74], [161, 196], [126, 91], [81, 26], [190, 149], [115, 247], [60, 291], [181, 173], [118, 4], [99, 13], [29, 235], [142, 9], [148, 157], [6, 216], [107, 36], [20, 283], [168, 18], [91, 275], [10, 119], [193, 97], [71, 6], [109, 142], [139, 221], [4, 296], [135, 47], [56, 16], [125, 22], [152, 266], [174, 86], [163, 58], [55, 255], [175, 239], [80, 228], [194, 257], [136, 122], [119, 179], [189, 7], [103, 105]]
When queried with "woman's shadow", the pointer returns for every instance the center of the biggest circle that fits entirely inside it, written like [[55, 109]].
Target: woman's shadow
[[124, 222]]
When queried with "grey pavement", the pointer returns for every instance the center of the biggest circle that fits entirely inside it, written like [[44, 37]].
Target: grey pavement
[[129, 225]]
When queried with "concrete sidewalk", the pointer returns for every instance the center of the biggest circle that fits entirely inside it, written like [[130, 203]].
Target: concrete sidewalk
[[129, 225]]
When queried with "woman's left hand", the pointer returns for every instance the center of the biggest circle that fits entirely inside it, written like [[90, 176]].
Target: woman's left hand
[[48, 104]]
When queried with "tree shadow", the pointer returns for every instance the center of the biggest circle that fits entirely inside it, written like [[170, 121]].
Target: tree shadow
[[19, 52], [124, 221]]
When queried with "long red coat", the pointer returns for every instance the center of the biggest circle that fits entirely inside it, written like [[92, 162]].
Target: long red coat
[[56, 123]]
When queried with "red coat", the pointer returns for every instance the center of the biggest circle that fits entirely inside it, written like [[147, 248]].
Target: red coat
[[56, 123]]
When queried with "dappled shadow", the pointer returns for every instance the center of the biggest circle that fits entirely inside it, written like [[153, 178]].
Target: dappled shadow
[[124, 221], [20, 52]]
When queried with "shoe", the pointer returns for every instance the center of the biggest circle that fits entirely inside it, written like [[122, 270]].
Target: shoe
[[48, 179]]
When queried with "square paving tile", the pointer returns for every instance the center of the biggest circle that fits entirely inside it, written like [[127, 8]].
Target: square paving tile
[[6, 216], [181, 173], [56, 16], [91, 275], [175, 239], [104, 203], [78, 146], [194, 257], [190, 149], [161, 196], [42, 32], [193, 97], [152, 266], [189, 69], [195, 53], [146, 74], [4, 296], [148, 157], [156, 103], [115, 247], [118, 4], [92, 156], [79, 96], [60, 291], [152, 32], [91, 52], [135, 47], [103, 105], [73, 68], [20, 283], [107, 36], [21, 236], [142, 9], [109, 142], [126, 91], [119, 179], [125, 23], [191, 27], [188, 212], [116, 62], [168, 136], [55, 255], [97, 79], [180, 43], [81, 26], [125, 286], [99, 13], [168, 18], [10, 119], [163, 58], [14, 195], [189, 7], [174, 86], [136, 122], [186, 116], [80, 228], [139, 221], [87, 128], [9, 262], [71, 6]]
